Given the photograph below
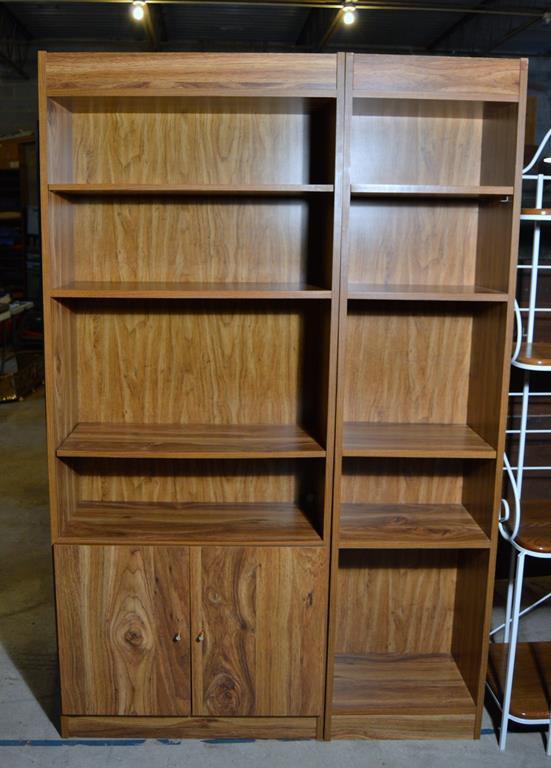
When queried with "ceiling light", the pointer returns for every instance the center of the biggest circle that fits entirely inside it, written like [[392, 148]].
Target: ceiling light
[[349, 15], [138, 10]]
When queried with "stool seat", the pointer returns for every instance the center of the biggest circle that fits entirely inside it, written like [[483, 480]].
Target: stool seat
[[535, 527]]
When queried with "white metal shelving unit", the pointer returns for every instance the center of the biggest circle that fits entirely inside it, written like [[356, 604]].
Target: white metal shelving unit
[[530, 357]]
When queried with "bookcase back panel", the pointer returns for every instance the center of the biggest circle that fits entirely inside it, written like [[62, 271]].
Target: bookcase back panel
[[205, 481], [395, 602], [413, 243], [402, 481], [197, 362], [430, 142], [163, 142], [191, 240], [407, 365]]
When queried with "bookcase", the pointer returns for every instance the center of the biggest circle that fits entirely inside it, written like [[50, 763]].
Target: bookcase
[[430, 210], [278, 311]]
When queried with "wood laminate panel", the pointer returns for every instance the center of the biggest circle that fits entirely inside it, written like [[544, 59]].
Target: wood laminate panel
[[258, 632], [191, 727], [414, 440], [123, 629], [226, 364], [438, 77], [262, 522], [198, 190], [393, 684], [193, 290], [416, 360], [429, 190], [409, 526], [214, 240], [391, 726], [189, 441], [399, 602], [191, 73], [400, 242]]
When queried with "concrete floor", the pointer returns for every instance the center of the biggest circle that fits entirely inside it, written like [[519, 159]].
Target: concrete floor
[[28, 671]]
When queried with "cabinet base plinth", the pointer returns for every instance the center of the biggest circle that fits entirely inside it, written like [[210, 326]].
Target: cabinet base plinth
[[447, 726], [190, 727]]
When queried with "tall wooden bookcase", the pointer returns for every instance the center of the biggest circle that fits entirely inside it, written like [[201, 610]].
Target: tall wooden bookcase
[[432, 193], [278, 309]]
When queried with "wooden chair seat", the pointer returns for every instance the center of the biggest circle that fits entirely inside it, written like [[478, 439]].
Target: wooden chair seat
[[537, 354], [535, 529]]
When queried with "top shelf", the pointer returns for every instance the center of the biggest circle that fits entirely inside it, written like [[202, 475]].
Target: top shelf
[[260, 190], [427, 190]]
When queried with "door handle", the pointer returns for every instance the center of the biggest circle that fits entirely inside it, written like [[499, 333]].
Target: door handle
[[200, 637]]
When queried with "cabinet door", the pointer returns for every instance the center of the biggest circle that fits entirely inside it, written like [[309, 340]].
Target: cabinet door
[[123, 629], [259, 627]]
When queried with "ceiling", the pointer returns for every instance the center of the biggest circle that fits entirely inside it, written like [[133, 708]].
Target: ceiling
[[473, 27]]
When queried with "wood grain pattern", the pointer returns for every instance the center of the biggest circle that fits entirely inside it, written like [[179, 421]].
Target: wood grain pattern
[[437, 77], [429, 190], [191, 73], [535, 528], [416, 360], [194, 190], [193, 290], [119, 611], [178, 441], [453, 441], [210, 241], [416, 292], [403, 481], [433, 143], [397, 242], [537, 354], [391, 684], [409, 526], [190, 727], [119, 521], [391, 726], [532, 679], [199, 363], [261, 611], [399, 602]]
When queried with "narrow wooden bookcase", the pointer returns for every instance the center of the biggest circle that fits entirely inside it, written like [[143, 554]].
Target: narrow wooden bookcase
[[432, 193], [278, 301], [191, 212]]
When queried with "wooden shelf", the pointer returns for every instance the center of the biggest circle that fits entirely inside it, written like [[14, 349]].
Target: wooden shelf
[[427, 190], [174, 441], [535, 214], [534, 357], [374, 292], [260, 190], [456, 441], [258, 523], [166, 290], [530, 695], [409, 526], [394, 683]]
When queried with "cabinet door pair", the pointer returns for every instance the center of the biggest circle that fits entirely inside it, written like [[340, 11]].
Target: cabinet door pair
[[171, 630]]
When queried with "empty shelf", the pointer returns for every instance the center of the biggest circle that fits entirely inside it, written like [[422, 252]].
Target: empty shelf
[[268, 190], [532, 680], [158, 441], [142, 290], [427, 190], [406, 526], [424, 292], [455, 441], [534, 357], [265, 522], [399, 684]]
